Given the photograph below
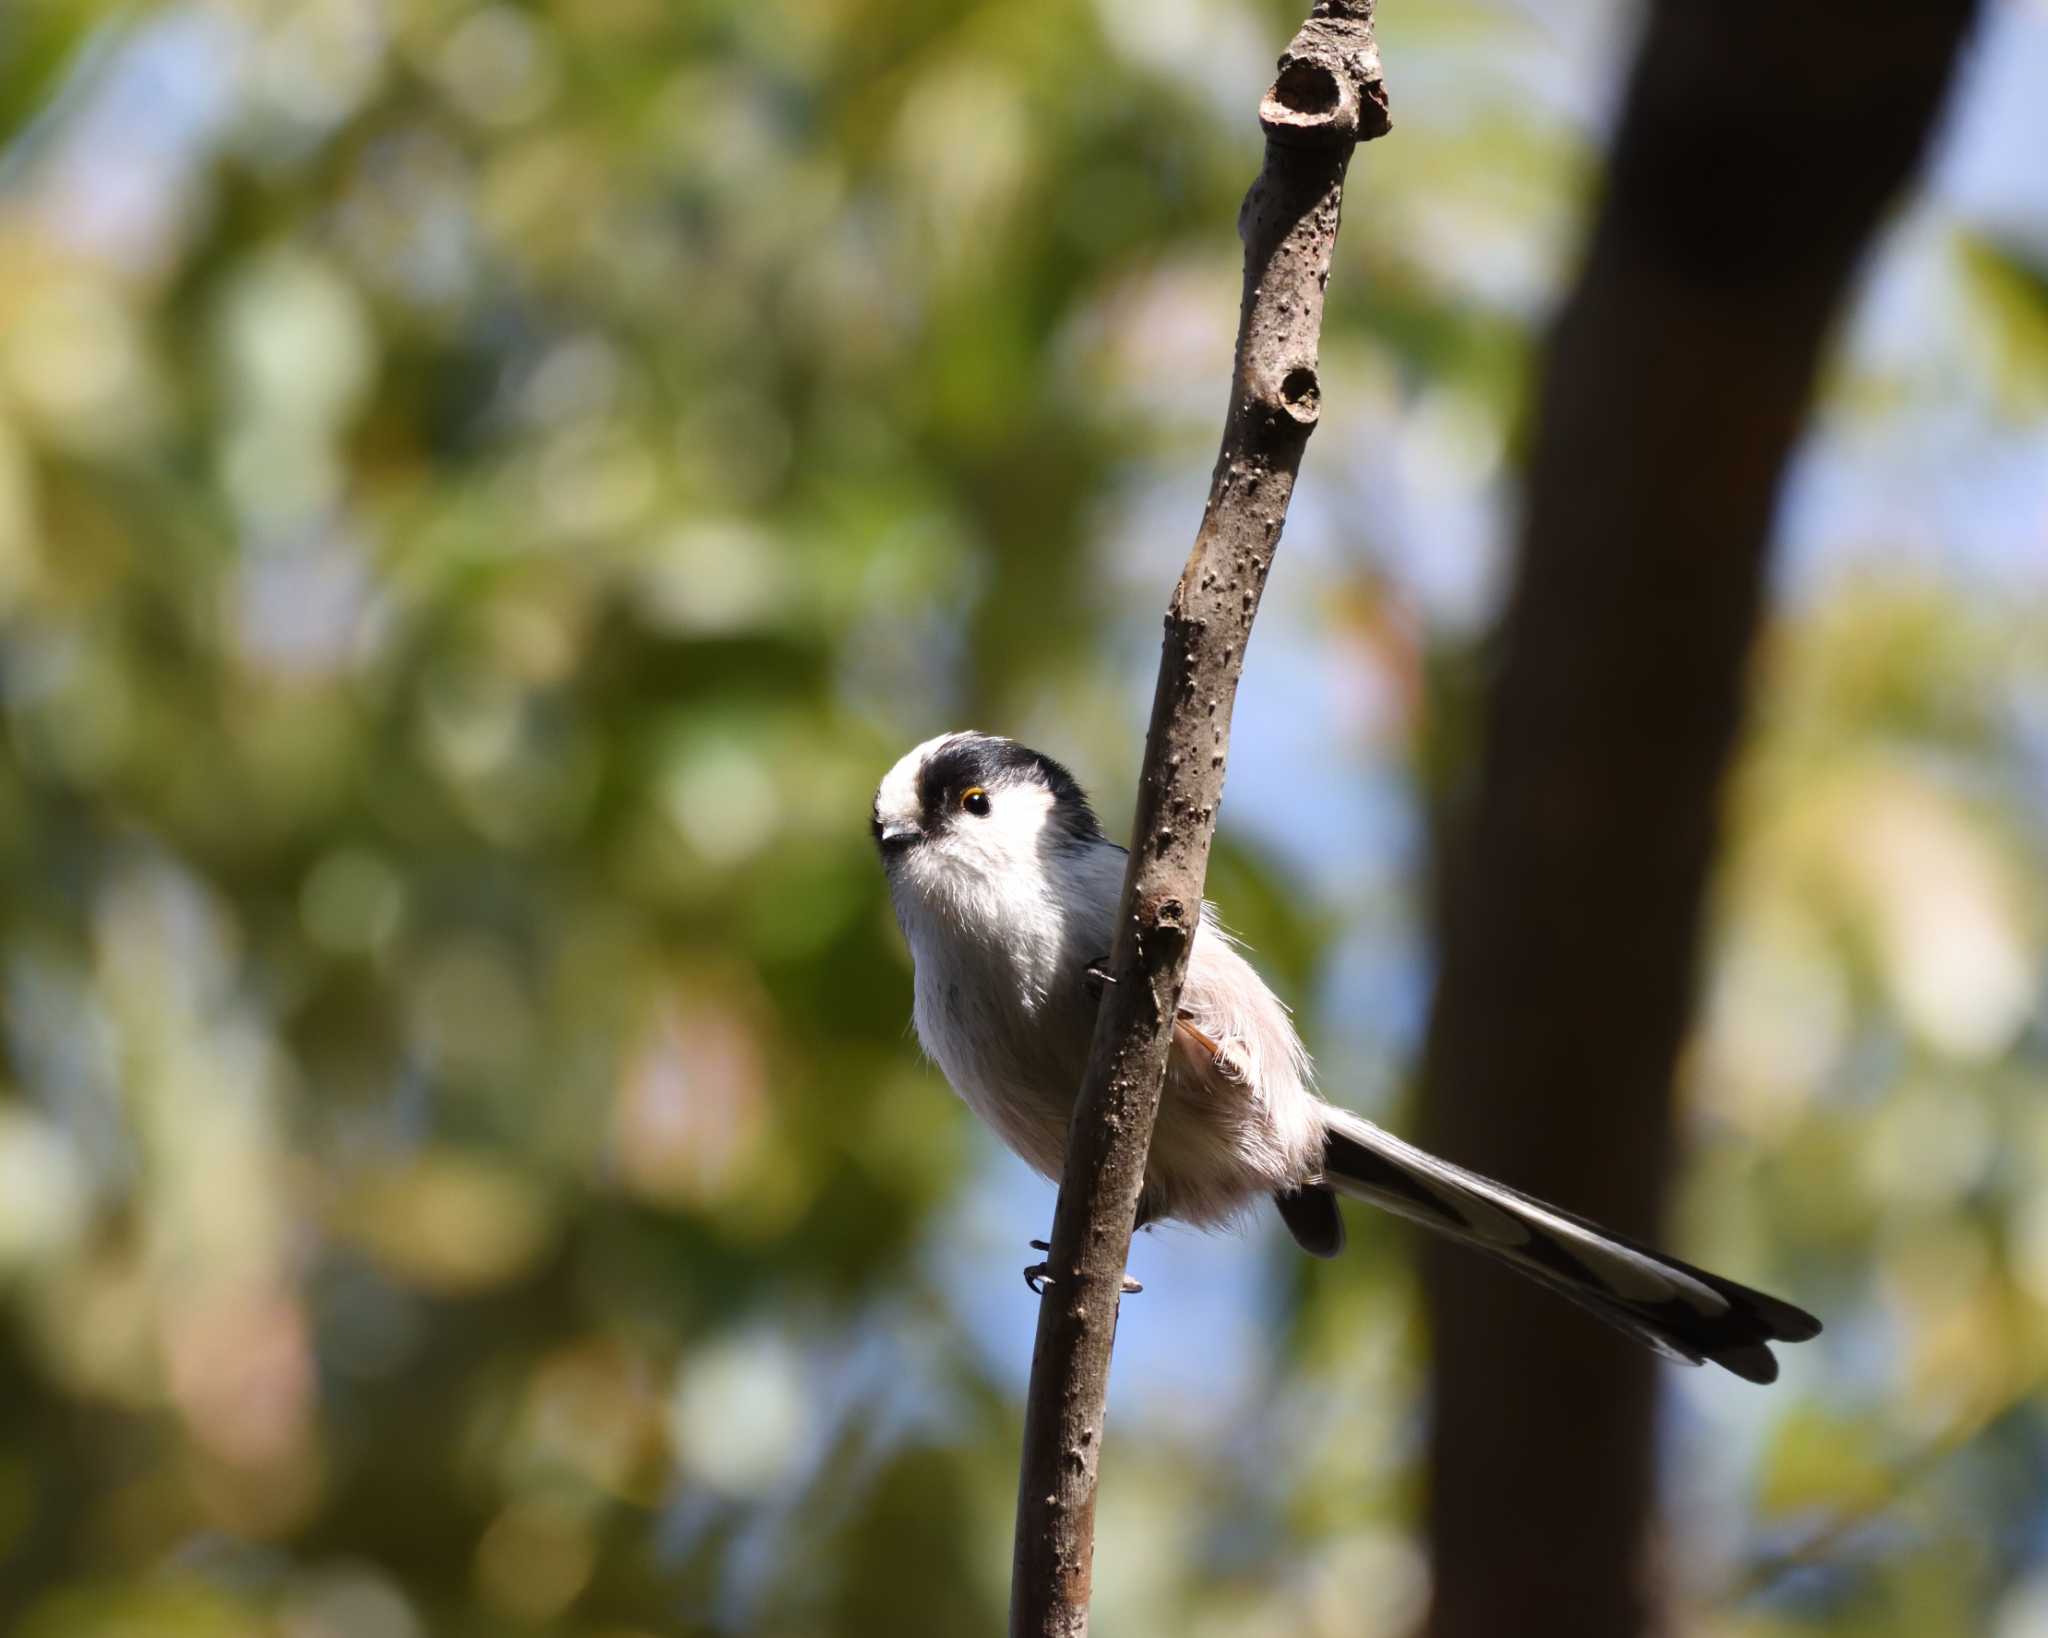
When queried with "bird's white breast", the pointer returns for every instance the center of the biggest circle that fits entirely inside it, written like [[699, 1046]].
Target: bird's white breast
[[1002, 1004]]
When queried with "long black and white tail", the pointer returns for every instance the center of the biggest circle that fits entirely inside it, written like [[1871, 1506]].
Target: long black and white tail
[[1683, 1312]]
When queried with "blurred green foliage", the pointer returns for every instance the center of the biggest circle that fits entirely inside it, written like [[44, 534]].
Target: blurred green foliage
[[485, 490]]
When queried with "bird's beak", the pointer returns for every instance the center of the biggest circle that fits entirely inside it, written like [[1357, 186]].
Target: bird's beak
[[897, 835]]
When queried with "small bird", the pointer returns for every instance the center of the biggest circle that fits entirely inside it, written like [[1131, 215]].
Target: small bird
[[1006, 889]]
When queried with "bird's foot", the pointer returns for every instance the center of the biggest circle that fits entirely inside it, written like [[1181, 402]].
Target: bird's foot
[[1039, 1275], [1096, 976]]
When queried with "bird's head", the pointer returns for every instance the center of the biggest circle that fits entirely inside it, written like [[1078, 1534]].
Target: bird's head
[[970, 808]]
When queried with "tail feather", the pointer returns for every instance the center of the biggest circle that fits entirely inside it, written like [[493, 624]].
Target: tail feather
[[1683, 1312]]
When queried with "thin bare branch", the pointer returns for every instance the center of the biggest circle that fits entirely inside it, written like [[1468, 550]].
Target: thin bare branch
[[1324, 100]]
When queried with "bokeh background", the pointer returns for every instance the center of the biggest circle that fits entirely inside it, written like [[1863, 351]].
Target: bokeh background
[[485, 490]]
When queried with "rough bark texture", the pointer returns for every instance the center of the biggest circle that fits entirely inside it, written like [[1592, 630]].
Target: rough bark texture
[[1325, 99], [1755, 158]]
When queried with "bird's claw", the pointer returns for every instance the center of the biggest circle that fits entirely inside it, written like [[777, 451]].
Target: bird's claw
[[1039, 1275], [1097, 975]]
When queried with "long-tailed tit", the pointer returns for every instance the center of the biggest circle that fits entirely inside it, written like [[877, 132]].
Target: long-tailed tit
[[1006, 889]]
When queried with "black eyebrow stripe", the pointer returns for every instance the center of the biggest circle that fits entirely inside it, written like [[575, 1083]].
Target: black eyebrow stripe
[[985, 760]]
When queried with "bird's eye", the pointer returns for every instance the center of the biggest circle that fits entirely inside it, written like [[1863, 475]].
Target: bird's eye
[[975, 801]]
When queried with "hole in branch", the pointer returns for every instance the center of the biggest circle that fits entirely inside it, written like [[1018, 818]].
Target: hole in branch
[[1306, 88], [1302, 393]]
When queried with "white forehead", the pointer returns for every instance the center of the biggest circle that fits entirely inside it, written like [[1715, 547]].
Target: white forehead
[[897, 797]]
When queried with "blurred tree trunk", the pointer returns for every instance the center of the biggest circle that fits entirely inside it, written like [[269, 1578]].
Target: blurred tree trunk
[[1757, 152]]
